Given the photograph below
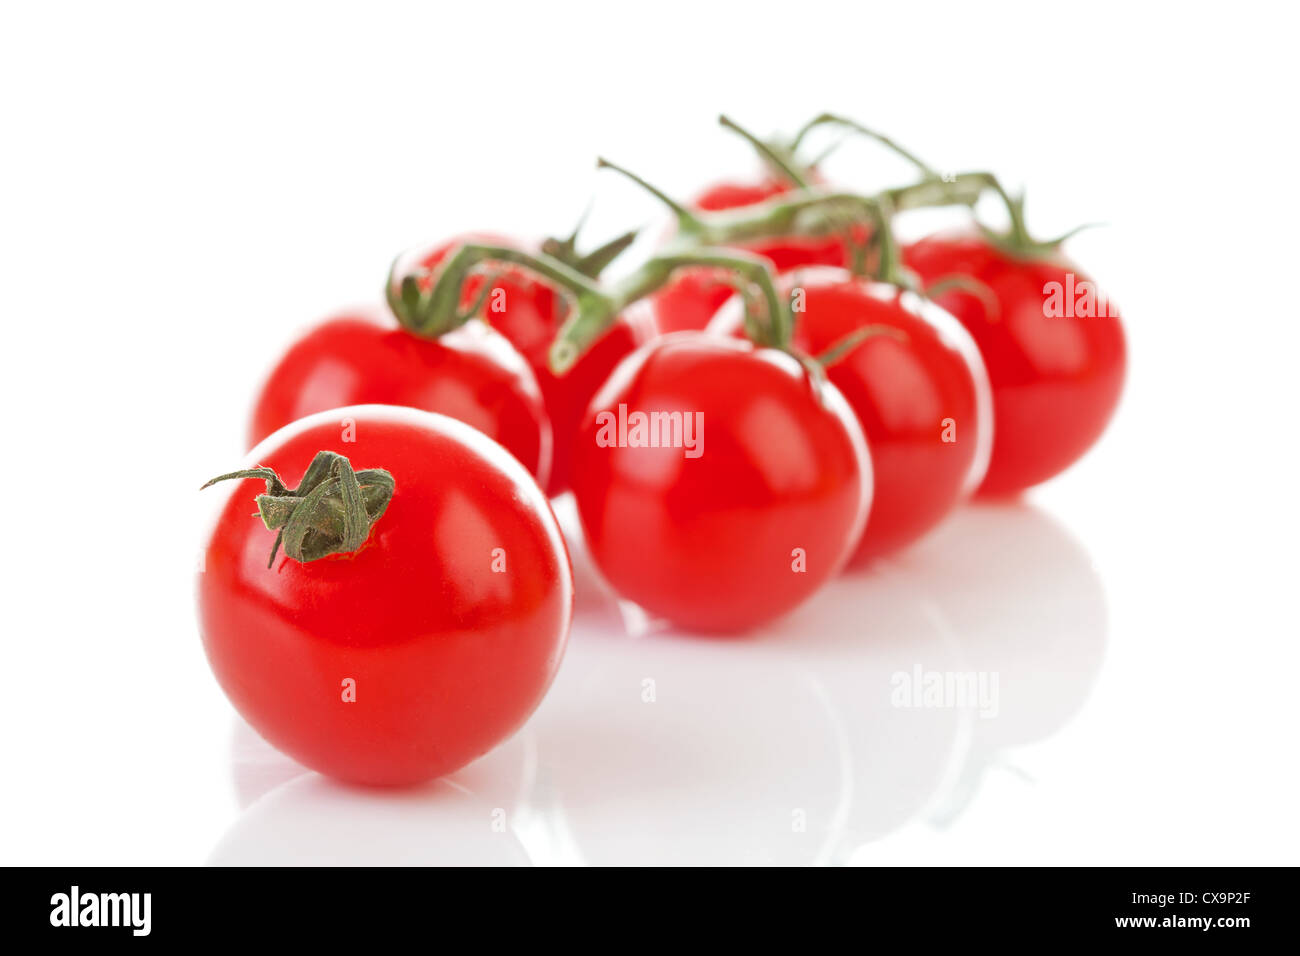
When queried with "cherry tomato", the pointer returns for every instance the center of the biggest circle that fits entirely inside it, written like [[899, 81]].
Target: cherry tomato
[[922, 397], [471, 374], [528, 312], [754, 496], [1056, 378], [445, 627], [695, 295], [568, 395]]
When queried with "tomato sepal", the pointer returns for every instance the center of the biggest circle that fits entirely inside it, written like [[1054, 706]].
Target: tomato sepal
[[330, 512]]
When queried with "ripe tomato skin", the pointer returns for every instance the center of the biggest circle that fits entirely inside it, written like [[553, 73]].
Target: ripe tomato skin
[[448, 656], [471, 374], [1056, 380], [695, 295], [733, 194], [530, 313], [707, 542], [568, 395], [908, 394]]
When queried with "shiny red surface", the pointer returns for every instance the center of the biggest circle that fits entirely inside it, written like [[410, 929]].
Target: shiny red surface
[[1056, 379], [708, 542], [908, 395], [471, 374], [449, 657]]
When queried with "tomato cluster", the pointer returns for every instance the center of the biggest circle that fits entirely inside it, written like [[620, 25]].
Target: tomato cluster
[[779, 391]]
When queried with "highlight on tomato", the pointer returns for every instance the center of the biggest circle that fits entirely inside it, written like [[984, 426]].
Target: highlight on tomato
[[416, 600], [915, 381], [1053, 344], [470, 373], [719, 484]]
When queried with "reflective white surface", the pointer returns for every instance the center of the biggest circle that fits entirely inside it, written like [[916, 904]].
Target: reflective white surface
[[788, 746], [170, 223]]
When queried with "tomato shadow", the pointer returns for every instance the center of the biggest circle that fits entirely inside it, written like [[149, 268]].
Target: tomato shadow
[[305, 819], [653, 750], [257, 767], [1027, 605], [814, 737]]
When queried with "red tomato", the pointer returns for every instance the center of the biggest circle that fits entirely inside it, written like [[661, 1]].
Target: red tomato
[[922, 399], [759, 500], [568, 395], [450, 618], [734, 195], [692, 299], [471, 374], [528, 312], [1056, 378]]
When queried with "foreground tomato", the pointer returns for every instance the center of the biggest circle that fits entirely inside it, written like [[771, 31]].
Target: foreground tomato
[[408, 656], [921, 396], [471, 374], [695, 296], [528, 312], [718, 485], [1056, 378]]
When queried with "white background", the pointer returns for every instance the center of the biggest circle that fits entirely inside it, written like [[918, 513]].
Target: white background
[[182, 191]]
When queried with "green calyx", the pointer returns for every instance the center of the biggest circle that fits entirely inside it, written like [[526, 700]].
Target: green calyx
[[1017, 241], [331, 512], [590, 264]]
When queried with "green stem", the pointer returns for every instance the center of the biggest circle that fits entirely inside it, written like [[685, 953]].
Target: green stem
[[687, 221], [890, 267], [1018, 241], [431, 309], [593, 263], [962, 189], [826, 119], [1019, 235], [988, 299], [782, 163], [750, 268], [819, 211], [811, 211], [586, 324], [840, 349], [434, 310]]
